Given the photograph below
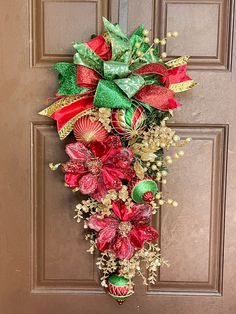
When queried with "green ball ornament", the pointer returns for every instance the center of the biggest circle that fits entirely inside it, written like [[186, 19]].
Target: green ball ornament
[[119, 288], [143, 190]]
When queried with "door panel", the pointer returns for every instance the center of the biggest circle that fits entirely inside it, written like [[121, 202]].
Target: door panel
[[56, 24], [60, 261], [44, 266], [205, 28], [197, 225]]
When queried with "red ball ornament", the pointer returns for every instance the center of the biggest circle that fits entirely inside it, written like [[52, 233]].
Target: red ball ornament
[[87, 131]]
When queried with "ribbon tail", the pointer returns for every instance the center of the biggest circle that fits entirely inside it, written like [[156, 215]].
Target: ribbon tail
[[177, 79], [67, 116], [177, 62], [62, 102], [183, 86]]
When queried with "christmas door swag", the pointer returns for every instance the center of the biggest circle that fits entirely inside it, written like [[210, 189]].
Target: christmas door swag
[[116, 97]]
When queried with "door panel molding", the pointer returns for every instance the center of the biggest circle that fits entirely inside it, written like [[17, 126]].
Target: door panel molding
[[138, 12], [55, 267], [44, 279], [210, 271], [56, 24], [209, 48], [205, 33]]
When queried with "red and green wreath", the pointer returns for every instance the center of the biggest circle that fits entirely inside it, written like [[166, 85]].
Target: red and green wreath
[[116, 97]]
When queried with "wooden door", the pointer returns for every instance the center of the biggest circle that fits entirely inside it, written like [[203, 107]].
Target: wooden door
[[44, 266]]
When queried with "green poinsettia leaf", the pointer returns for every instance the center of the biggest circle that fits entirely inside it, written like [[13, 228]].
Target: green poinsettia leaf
[[137, 37], [121, 48], [156, 116], [150, 57], [144, 47], [87, 57], [67, 79]]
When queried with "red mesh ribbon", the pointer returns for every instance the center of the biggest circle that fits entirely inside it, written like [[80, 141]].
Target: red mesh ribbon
[[87, 77], [155, 68], [158, 97]]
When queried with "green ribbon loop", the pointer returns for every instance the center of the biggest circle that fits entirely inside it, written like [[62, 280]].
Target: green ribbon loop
[[115, 69], [88, 58], [130, 85], [67, 79], [121, 48], [109, 95]]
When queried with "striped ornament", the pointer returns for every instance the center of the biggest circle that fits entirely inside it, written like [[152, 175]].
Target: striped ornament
[[118, 288], [129, 122]]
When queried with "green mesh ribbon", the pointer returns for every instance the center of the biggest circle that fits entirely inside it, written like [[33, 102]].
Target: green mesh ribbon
[[67, 79], [109, 95], [146, 106]]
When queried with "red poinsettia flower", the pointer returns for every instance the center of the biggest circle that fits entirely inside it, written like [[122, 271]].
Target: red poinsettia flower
[[124, 230], [99, 167]]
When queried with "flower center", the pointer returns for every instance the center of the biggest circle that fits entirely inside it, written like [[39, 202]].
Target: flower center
[[125, 228], [94, 165]]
